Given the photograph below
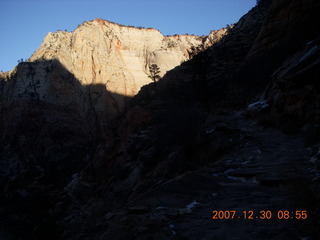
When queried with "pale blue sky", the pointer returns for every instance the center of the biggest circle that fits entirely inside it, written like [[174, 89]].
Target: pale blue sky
[[24, 23]]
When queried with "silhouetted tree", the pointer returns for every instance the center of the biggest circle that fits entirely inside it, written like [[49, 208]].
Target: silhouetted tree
[[154, 72], [195, 50]]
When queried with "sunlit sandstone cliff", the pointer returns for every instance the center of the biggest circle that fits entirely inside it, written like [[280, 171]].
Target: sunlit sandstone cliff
[[117, 57]]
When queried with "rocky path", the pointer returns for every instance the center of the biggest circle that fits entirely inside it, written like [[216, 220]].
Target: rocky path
[[264, 176], [258, 179]]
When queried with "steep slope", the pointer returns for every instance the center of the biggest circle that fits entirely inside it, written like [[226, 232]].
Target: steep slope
[[290, 26]]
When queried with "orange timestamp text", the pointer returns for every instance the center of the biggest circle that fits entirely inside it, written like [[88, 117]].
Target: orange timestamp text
[[262, 214]]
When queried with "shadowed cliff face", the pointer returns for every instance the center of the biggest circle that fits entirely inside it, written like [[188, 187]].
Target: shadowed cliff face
[[50, 128], [290, 25]]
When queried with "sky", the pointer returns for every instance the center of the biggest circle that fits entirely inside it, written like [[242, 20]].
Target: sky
[[25, 23]]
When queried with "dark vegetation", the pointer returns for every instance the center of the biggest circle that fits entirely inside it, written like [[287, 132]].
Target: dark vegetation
[[154, 72]]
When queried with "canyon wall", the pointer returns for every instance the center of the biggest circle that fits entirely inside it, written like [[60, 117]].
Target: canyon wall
[[117, 58]]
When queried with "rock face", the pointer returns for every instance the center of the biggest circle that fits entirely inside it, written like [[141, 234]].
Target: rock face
[[117, 57], [294, 93], [274, 43]]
